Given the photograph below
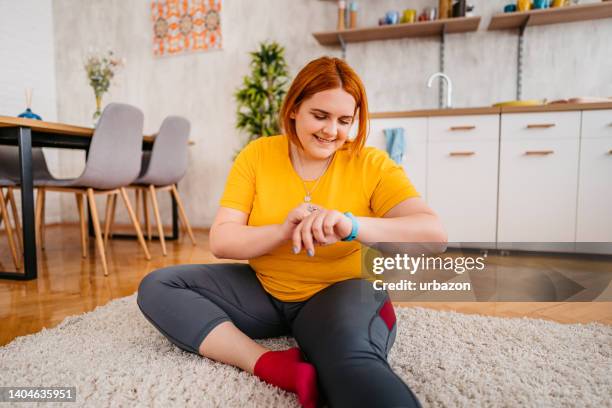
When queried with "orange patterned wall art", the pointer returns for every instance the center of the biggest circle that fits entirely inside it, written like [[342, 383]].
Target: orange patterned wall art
[[182, 26]]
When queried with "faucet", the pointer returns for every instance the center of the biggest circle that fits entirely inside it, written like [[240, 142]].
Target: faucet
[[449, 87]]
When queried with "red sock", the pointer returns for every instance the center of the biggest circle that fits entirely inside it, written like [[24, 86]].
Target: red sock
[[287, 370]]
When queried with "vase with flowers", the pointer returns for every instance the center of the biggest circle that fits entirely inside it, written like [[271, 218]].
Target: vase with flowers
[[100, 70]]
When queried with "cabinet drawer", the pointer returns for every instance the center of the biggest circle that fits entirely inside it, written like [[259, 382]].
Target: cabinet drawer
[[464, 128], [540, 126], [538, 191], [597, 123], [462, 188], [595, 191]]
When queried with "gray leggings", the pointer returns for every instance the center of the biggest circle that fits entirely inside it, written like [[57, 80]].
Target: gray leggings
[[346, 330]]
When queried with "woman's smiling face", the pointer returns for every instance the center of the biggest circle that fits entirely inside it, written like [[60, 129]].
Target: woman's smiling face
[[323, 122]]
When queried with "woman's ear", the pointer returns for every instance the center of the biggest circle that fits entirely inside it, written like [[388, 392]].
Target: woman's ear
[[292, 115]]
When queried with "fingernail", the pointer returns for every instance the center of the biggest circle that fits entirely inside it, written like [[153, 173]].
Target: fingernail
[[295, 250], [310, 252]]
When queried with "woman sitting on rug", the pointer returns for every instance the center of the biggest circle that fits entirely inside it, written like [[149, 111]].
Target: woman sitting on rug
[[297, 206]]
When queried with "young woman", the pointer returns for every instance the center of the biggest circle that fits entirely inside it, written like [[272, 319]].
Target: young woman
[[296, 207]]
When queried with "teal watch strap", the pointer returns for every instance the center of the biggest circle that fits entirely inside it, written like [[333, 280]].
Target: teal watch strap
[[354, 230]]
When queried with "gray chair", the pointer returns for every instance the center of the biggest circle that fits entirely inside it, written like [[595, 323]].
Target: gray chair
[[161, 170], [9, 170], [14, 242], [9, 164], [112, 164]]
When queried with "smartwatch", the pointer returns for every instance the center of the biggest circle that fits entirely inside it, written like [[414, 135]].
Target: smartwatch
[[354, 230]]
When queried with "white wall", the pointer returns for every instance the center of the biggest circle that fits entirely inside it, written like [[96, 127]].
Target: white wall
[[27, 60], [560, 61]]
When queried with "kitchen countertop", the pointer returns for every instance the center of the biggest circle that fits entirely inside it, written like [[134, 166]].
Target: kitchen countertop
[[557, 107]]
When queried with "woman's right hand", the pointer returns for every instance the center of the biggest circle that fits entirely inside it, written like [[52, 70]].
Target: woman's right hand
[[296, 216]]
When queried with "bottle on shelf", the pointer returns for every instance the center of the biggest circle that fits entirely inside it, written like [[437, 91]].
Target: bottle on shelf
[[341, 14], [445, 9], [353, 14], [459, 8]]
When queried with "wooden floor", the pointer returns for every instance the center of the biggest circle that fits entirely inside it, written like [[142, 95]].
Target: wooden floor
[[68, 284]]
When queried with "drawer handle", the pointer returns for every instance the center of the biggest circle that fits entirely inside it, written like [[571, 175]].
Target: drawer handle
[[540, 126], [469, 127], [538, 152], [462, 153]]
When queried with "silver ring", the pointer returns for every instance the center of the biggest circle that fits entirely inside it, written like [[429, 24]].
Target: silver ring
[[310, 208]]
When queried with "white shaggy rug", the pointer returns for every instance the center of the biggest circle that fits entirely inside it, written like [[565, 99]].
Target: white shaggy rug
[[114, 357]]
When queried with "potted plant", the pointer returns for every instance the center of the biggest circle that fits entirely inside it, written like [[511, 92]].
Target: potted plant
[[262, 92]]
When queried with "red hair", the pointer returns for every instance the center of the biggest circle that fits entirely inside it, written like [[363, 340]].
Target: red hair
[[319, 75]]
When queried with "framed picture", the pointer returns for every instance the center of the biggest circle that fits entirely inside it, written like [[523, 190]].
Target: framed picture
[[184, 26]]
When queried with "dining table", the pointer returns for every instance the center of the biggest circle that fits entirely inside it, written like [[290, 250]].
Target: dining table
[[27, 133]]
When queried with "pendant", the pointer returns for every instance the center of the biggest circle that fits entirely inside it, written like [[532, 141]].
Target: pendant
[[307, 198]]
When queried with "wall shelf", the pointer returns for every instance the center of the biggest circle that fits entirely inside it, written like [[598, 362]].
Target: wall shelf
[[522, 19], [584, 12], [406, 30], [421, 29]]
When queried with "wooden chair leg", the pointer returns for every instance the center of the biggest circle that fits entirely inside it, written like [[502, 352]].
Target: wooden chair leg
[[160, 227], [107, 217], [141, 239], [42, 219], [83, 224], [182, 227], [182, 214], [112, 219], [137, 201], [145, 209], [11, 201], [9, 231], [38, 216], [96, 225]]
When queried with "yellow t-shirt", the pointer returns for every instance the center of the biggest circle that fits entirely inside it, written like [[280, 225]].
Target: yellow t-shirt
[[264, 184]]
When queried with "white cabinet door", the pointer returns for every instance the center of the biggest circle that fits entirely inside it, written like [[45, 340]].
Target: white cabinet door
[[415, 136], [594, 221], [538, 181], [462, 177]]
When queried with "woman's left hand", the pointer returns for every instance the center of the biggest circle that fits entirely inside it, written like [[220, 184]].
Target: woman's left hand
[[322, 227]]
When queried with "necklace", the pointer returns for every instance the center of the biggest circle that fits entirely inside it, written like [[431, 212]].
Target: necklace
[[308, 196]]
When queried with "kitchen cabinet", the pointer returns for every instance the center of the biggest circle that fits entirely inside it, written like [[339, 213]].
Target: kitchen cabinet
[[526, 178], [594, 214], [538, 181], [415, 136], [462, 177]]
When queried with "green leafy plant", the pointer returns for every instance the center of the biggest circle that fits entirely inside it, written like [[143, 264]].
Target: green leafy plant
[[262, 92]]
